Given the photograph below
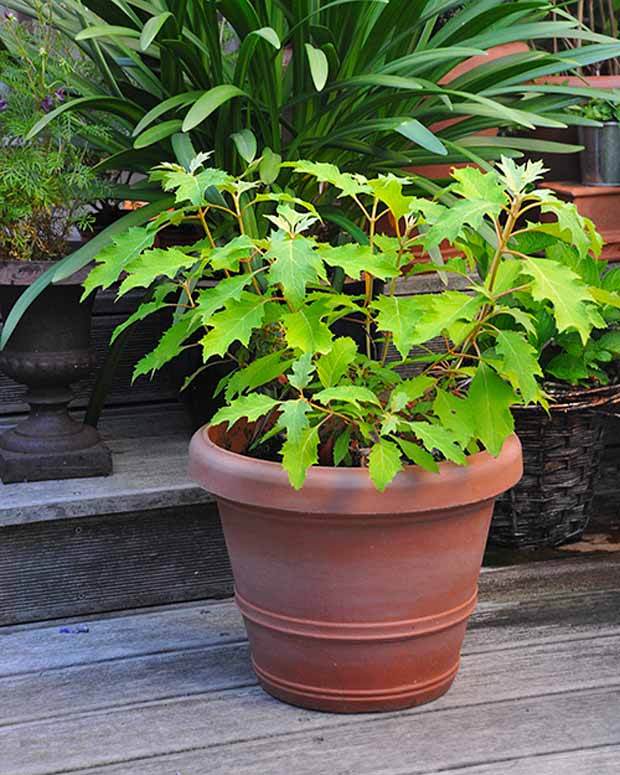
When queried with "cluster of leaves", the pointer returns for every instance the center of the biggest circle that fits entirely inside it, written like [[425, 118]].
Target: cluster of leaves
[[271, 305], [599, 110], [46, 182], [339, 82]]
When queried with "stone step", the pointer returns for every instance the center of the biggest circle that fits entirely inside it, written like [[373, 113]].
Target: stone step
[[144, 536]]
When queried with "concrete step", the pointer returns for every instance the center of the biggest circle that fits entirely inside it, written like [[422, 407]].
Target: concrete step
[[144, 536]]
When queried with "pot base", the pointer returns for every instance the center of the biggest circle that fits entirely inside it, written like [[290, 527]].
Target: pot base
[[43, 466], [334, 701]]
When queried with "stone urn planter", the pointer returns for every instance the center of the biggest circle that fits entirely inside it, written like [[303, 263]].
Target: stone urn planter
[[48, 351], [354, 600]]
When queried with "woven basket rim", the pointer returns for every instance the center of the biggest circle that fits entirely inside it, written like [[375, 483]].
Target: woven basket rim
[[565, 398]]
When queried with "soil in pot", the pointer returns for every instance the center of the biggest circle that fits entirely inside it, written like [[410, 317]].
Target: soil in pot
[[353, 600]]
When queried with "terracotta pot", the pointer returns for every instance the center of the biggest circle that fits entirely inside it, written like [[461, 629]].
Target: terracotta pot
[[354, 600], [440, 171]]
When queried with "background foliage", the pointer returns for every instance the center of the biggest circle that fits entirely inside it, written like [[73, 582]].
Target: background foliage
[[336, 81], [45, 182]]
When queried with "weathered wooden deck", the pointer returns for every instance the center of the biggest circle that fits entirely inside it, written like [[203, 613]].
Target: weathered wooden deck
[[170, 691]]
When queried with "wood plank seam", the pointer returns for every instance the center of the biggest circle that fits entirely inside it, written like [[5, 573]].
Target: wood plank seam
[[506, 759], [316, 730]]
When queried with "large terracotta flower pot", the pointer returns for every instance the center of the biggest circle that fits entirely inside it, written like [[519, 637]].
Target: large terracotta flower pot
[[354, 600]]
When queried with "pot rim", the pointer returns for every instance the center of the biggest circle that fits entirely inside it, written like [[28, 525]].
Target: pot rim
[[604, 124], [24, 273], [349, 491]]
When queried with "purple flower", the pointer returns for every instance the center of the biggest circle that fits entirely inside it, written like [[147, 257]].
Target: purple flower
[[3, 104], [47, 104], [60, 94]]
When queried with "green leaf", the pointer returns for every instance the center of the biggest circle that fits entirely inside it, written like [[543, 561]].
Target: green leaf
[[341, 446], [348, 184], [519, 316], [471, 183], [355, 259], [455, 415], [210, 101], [191, 186], [490, 399], [517, 177], [294, 419], [113, 259], [436, 437], [408, 391], [269, 167], [156, 133], [245, 143], [400, 316], [455, 218], [250, 407], [384, 462], [230, 255], [416, 132], [571, 221], [151, 264], [106, 31], [295, 265], [178, 100], [448, 309], [145, 309], [299, 454], [168, 347], [605, 297], [506, 278], [568, 368], [519, 364], [348, 394], [212, 299], [302, 372], [319, 66], [610, 341], [563, 288], [389, 190], [259, 372], [306, 330], [235, 323], [268, 34], [151, 29], [418, 455], [332, 366]]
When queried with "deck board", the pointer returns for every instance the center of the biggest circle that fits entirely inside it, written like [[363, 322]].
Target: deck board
[[167, 691]]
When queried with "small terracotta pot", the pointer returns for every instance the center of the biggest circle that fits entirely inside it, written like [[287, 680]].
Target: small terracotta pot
[[354, 600]]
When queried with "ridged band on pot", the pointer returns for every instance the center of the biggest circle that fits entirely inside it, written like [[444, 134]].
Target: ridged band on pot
[[354, 600]]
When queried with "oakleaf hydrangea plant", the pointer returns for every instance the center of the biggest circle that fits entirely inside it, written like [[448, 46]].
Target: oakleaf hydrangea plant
[[317, 364]]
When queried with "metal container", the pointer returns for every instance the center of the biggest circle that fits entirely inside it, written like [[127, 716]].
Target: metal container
[[600, 159]]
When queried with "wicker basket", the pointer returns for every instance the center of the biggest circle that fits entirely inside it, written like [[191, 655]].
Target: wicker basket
[[562, 451]]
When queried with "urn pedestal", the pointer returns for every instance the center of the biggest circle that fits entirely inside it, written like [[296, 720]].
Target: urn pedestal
[[48, 351]]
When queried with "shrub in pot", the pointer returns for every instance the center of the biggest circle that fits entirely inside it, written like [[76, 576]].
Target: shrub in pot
[[356, 502], [45, 185], [563, 446]]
